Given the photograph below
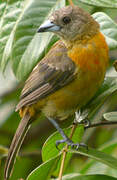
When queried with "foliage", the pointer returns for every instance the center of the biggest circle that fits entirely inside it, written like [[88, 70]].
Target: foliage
[[23, 48]]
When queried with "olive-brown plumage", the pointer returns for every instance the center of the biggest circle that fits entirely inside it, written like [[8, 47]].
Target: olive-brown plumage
[[67, 77]]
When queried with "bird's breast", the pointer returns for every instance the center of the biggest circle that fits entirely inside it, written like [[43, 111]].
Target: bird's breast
[[91, 61], [90, 55]]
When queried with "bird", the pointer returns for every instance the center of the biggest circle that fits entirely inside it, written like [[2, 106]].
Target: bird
[[66, 78]]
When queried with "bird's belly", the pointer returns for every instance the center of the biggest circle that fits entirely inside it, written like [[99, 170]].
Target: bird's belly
[[72, 97]]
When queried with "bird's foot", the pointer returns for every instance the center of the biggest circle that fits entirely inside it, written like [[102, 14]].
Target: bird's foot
[[71, 144]]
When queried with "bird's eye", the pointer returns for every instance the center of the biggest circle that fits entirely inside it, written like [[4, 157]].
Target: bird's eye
[[66, 20]]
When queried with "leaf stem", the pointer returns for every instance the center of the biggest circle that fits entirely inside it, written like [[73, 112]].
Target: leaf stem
[[65, 153]]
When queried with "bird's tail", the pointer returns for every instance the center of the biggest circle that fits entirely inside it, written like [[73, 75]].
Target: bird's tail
[[16, 144]]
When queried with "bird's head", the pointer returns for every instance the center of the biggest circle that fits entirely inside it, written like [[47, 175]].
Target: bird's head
[[70, 23]]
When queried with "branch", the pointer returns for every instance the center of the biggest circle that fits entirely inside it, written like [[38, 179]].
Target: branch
[[65, 153], [103, 123]]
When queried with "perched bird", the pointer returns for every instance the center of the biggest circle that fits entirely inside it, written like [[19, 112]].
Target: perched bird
[[66, 78]]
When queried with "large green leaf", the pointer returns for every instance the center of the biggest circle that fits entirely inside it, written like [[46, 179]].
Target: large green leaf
[[91, 166], [51, 161], [24, 61], [87, 177], [8, 20], [44, 170], [107, 90], [104, 100], [98, 156], [108, 87], [18, 33], [101, 3], [28, 46], [49, 145], [92, 153], [108, 28], [19, 23]]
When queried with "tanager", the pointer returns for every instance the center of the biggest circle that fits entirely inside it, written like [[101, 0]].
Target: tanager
[[66, 78]]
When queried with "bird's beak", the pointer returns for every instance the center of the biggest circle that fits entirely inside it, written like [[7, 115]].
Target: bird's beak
[[48, 26]]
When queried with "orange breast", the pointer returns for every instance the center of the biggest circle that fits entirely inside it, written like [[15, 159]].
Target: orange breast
[[91, 54], [91, 59]]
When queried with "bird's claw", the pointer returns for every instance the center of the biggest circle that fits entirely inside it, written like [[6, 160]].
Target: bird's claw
[[59, 142], [71, 144]]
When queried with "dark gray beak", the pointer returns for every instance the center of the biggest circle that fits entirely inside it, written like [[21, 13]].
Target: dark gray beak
[[48, 26]]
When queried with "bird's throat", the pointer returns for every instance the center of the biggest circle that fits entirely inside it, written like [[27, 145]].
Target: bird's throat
[[86, 54]]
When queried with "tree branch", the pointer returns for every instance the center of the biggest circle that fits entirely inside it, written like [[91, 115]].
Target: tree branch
[[65, 153], [103, 123]]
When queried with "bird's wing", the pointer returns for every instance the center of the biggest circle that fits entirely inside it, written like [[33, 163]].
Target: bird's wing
[[52, 73]]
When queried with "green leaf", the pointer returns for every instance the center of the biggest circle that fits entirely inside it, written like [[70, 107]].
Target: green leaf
[[7, 26], [3, 151], [29, 46], [110, 147], [44, 170], [103, 101], [66, 163], [2, 8], [108, 28], [49, 145], [98, 156], [101, 3], [7, 52], [91, 166], [108, 88], [111, 116], [87, 177], [49, 153], [18, 35]]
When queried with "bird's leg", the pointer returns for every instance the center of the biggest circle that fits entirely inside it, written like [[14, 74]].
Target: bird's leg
[[65, 138]]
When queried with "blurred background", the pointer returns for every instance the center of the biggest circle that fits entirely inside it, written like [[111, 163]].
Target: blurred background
[[30, 155]]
